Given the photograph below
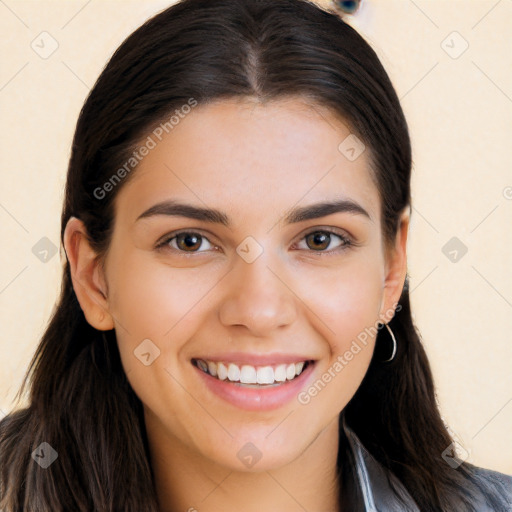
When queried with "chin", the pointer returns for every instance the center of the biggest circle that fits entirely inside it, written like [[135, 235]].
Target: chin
[[253, 452]]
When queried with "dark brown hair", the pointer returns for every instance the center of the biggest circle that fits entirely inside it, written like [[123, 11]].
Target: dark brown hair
[[80, 401]]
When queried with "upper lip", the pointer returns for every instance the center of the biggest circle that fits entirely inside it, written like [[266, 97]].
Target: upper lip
[[240, 358]]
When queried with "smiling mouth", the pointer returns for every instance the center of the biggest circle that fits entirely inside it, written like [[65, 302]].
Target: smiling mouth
[[252, 376]]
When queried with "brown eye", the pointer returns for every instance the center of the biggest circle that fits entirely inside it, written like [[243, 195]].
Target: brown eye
[[189, 241], [325, 241], [186, 241], [318, 240]]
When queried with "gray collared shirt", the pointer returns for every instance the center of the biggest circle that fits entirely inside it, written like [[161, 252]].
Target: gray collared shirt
[[368, 488]]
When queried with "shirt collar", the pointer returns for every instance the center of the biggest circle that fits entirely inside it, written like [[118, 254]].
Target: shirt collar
[[366, 485]]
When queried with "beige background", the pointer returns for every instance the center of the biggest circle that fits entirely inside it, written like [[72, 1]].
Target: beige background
[[459, 108]]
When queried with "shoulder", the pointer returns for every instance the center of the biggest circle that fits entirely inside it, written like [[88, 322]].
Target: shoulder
[[495, 488]]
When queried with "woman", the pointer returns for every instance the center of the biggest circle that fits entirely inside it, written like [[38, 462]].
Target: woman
[[234, 329]]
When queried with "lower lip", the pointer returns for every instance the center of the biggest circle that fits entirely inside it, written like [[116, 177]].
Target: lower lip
[[253, 399]]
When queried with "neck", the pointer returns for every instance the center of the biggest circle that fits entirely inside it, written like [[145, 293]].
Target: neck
[[186, 481]]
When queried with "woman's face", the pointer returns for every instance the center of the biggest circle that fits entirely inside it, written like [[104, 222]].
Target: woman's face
[[265, 280]]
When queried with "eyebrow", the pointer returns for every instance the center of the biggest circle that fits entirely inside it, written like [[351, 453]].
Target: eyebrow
[[301, 214]]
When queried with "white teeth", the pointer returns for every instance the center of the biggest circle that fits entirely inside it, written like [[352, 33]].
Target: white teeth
[[266, 375], [248, 374], [280, 373], [233, 373], [222, 372], [212, 368]]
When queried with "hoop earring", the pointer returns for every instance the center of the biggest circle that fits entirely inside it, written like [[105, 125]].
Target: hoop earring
[[393, 354]]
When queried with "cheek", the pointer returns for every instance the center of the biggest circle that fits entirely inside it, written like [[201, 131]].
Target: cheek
[[156, 310], [151, 301], [150, 298], [345, 306], [346, 301]]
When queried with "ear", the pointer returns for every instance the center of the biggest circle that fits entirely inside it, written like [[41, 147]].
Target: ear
[[396, 269], [87, 276]]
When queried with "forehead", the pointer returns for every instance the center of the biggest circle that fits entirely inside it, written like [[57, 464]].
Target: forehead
[[251, 159]]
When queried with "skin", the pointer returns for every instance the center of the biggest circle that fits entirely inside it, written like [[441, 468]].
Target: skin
[[254, 162]]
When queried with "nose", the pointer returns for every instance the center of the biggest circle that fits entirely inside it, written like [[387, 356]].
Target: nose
[[257, 300]]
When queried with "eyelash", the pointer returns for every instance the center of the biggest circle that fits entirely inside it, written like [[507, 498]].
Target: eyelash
[[347, 242]]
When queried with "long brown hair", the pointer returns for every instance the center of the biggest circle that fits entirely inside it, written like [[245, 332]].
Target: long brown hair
[[80, 401]]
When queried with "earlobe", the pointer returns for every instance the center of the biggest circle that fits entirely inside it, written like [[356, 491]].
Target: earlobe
[[87, 276], [396, 270]]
